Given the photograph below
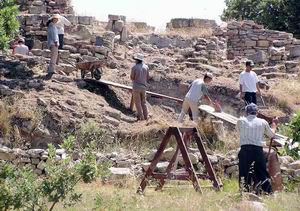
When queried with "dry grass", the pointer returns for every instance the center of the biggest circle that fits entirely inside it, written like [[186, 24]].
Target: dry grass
[[5, 126], [287, 92], [175, 196], [13, 111]]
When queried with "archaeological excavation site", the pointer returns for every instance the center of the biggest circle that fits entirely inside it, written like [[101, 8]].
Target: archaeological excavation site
[[117, 115]]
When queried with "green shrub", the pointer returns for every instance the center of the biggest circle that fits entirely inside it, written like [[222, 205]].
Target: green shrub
[[8, 22], [90, 132], [20, 188], [292, 130]]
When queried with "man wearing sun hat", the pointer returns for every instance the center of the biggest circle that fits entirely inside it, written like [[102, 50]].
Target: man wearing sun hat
[[249, 84], [140, 76], [197, 91], [251, 130]]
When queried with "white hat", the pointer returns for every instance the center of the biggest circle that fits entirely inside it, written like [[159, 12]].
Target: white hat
[[57, 16], [138, 56], [210, 75]]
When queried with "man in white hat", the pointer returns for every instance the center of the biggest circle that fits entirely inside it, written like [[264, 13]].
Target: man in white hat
[[197, 91], [60, 25], [140, 76], [21, 49]]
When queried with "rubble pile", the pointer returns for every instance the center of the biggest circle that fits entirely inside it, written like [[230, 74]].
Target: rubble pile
[[181, 23]]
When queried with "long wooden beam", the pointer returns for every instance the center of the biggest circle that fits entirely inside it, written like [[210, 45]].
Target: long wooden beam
[[153, 94], [279, 139]]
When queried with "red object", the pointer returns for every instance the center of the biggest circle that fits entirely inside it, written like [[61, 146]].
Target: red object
[[182, 136]]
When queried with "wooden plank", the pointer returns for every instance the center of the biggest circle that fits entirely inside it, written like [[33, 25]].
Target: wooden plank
[[153, 94], [279, 139]]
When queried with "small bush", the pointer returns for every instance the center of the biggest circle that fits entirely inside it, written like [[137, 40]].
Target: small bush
[[20, 188], [292, 147], [90, 132], [8, 22]]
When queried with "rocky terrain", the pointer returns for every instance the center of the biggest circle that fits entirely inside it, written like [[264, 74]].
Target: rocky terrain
[[41, 111]]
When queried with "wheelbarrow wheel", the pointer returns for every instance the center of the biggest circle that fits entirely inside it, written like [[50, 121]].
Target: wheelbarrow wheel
[[82, 74], [97, 73]]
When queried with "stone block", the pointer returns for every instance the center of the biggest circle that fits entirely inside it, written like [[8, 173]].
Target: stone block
[[114, 17], [295, 165], [263, 43], [85, 20], [295, 51], [259, 57], [118, 26], [120, 173], [70, 48], [64, 54], [37, 9]]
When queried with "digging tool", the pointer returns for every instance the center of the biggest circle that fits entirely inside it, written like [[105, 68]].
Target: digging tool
[[262, 100]]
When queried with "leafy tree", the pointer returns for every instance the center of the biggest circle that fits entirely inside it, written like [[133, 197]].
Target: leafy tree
[[8, 22], [281, 15]]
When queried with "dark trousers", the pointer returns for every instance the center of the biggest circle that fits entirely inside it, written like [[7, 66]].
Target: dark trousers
[[252, 167], [250, 97], [61, 41]]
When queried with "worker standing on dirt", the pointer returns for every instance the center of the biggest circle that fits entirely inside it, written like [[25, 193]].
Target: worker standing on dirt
[[197, 90], [53, 43], [252, 130], [140, 76], [249, 84]]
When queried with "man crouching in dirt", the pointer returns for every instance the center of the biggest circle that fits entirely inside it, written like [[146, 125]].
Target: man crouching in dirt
[[197, 90], [140, 76], [251, 130]]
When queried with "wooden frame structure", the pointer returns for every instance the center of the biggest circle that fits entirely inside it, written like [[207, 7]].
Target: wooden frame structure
[[182, 136]]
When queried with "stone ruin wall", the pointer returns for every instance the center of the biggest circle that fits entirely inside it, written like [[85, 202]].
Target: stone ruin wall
[[181, 23], [247, 39]]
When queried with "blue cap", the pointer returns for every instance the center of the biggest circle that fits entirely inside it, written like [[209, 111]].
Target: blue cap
[[251, 109]]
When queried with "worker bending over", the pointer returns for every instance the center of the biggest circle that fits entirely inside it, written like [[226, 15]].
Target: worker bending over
[[197, 91]]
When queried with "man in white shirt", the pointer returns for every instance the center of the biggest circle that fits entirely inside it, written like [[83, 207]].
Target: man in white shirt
[[60, 25], [197, 91], [21, 49], [249, 84], [251, 130]]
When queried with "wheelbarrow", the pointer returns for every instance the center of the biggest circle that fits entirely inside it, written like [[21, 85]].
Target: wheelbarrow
[[95, 67]]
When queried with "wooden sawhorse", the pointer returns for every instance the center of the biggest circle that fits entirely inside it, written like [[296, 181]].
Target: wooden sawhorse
[[182, 136]]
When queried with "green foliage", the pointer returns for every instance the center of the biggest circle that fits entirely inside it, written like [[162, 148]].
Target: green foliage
[[69, 144], [20, 188], [8, 22], [90, 132], [281, 15], [292, 130]]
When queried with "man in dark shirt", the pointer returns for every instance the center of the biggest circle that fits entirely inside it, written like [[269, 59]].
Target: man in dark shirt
[[140, 76]]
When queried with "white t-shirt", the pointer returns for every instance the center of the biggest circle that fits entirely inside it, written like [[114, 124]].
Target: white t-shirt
[[248, 80], [60, 25], [197, 90], [21, 49]]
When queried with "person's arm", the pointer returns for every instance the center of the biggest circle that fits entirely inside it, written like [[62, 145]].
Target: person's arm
[[238, 126], [132, 75], [65, 21], [148, 75], [55, 36], [205, 94], [242, 95], [270, 131]]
